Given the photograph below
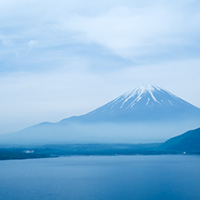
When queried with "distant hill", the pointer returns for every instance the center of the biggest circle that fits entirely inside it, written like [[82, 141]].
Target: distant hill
[[187, 142]]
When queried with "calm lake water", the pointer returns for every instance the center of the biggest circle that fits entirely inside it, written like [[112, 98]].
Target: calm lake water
[[101, 178]]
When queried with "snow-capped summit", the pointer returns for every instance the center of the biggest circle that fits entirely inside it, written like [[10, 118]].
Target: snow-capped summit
[[137, 94], [143, 103], [148, 95]]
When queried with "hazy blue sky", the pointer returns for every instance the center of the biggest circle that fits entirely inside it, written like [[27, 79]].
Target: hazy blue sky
[[60, 57]]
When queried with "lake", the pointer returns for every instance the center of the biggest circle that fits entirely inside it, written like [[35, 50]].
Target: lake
[[168, 177]]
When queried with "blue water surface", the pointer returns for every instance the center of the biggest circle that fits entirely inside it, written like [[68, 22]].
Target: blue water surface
[[164, 177]]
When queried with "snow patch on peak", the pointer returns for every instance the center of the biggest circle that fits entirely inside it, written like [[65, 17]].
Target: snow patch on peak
[[148, 101], [142, 89], [148, 88], [153, 97], [127, 96], [137, 95]]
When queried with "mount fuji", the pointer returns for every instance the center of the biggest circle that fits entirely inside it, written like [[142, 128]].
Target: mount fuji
[[146, 114], [145, 103]]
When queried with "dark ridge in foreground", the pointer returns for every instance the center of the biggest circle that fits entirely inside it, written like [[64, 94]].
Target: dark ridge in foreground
[[187, 142]]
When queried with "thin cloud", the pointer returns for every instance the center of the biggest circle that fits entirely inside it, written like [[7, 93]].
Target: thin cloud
[[142, 31], [133, 33]]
